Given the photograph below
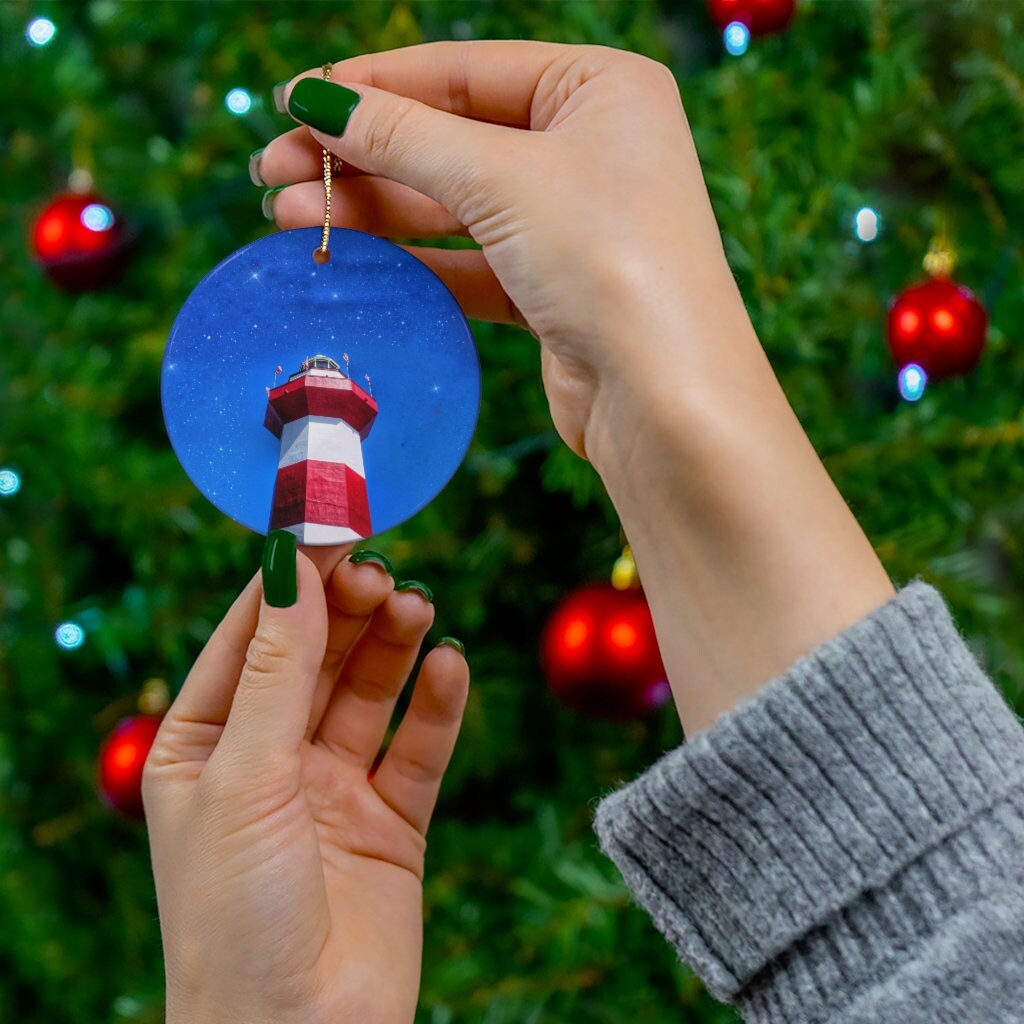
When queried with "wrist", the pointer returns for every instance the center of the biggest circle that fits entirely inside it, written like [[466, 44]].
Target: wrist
[[676, 370], [749, 555]]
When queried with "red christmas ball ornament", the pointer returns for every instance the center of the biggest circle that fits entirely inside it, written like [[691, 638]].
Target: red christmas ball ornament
[[601, 656], [761, 17], [80, 242], [122, 758], [939, 325]]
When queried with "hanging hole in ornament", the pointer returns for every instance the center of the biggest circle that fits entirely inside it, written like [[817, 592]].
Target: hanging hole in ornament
[[321, 256]]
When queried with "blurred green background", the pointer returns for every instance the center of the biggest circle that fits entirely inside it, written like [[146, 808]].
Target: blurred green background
[[914, 109]]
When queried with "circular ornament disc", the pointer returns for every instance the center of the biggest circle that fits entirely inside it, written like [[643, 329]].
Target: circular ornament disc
[[334, 400]]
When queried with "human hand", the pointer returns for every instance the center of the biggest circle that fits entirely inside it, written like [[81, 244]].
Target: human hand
[[575, 170], [289, 882], [596, 228]]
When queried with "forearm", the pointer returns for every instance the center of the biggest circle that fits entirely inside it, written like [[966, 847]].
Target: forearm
[[748, 554]]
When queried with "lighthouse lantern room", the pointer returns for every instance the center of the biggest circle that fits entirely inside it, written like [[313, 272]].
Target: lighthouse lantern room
[[322, 418]]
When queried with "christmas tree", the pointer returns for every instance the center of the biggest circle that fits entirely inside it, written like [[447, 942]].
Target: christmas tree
[[836, 152]]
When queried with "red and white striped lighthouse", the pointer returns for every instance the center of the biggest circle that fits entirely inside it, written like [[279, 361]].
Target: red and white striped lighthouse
[[322, 418]]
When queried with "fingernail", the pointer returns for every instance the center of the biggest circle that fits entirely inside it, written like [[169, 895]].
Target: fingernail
[[450, 641], [358, 557], [279, 96], [422, 588], [267, 203], [322, 105], [280, 575], [254, 168]]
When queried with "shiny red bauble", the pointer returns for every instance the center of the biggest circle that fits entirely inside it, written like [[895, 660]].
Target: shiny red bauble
[[601, 656], [760, 16], [939, 325], [79, 241], [122, 758]]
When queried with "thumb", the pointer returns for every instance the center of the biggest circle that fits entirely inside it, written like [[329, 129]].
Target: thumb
[[439, 154], [271, 707]]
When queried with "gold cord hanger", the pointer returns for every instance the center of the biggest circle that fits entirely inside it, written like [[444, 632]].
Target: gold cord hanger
[[332, 165]]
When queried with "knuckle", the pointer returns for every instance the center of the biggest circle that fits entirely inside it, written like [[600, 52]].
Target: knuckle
[[214, 789], [417, 769], [653, 72], [265, 659], [387, 135], [373, 688]]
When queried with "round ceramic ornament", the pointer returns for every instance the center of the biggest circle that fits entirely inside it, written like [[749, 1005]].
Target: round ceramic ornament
[[332, 398]]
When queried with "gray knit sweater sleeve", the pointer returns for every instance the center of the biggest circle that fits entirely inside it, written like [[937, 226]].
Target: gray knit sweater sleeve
[[847, 845]]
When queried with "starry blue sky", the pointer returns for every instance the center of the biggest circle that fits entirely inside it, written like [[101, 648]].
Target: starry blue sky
[[270, 305]]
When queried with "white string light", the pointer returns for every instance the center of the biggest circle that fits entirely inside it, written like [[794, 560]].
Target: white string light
[[912, 382], [40, 31], [238, 101], [736, 38], [10, 483], [69, 635]]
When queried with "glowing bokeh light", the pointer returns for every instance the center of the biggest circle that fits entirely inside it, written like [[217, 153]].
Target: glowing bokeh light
[[623, 635], [126, 755], [912, 382], [51, 231], [70, 636], [40, 31], [737, 38], [943, 319], [97, 217], [866, 224], [659, 693], [575, 634], [10, 483], [238, 101], [909, 321]]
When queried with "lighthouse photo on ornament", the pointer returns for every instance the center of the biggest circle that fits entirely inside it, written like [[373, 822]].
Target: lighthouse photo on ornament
[[321, 417], [331, 400]]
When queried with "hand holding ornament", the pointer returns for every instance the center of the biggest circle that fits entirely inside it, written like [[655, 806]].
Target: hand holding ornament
[[288, 866], [574, 169]]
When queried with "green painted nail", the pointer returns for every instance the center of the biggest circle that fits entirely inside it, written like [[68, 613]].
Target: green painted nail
[[280, 575], [254, 168], [267, 203], [422, 588], [279, 96], [450, 641], [322, 105], [358, 557]]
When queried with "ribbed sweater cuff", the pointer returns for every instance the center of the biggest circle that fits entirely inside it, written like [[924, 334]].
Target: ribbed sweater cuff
[[784, 817]]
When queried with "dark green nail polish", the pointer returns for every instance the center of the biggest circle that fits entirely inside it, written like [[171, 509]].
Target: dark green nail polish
[[421, 588], [279, 96], [267, 203], [280, 576], [322, 105], [358, 557], [450, 641], [254, 168]]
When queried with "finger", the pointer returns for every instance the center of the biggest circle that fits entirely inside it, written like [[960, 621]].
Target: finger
[[438, 154], [409, 777], [488, 80], [468, 276], [272, 701], [326, 558], [193, 723], [291, 157], [376, 205], [357, 715], [354, 592]]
